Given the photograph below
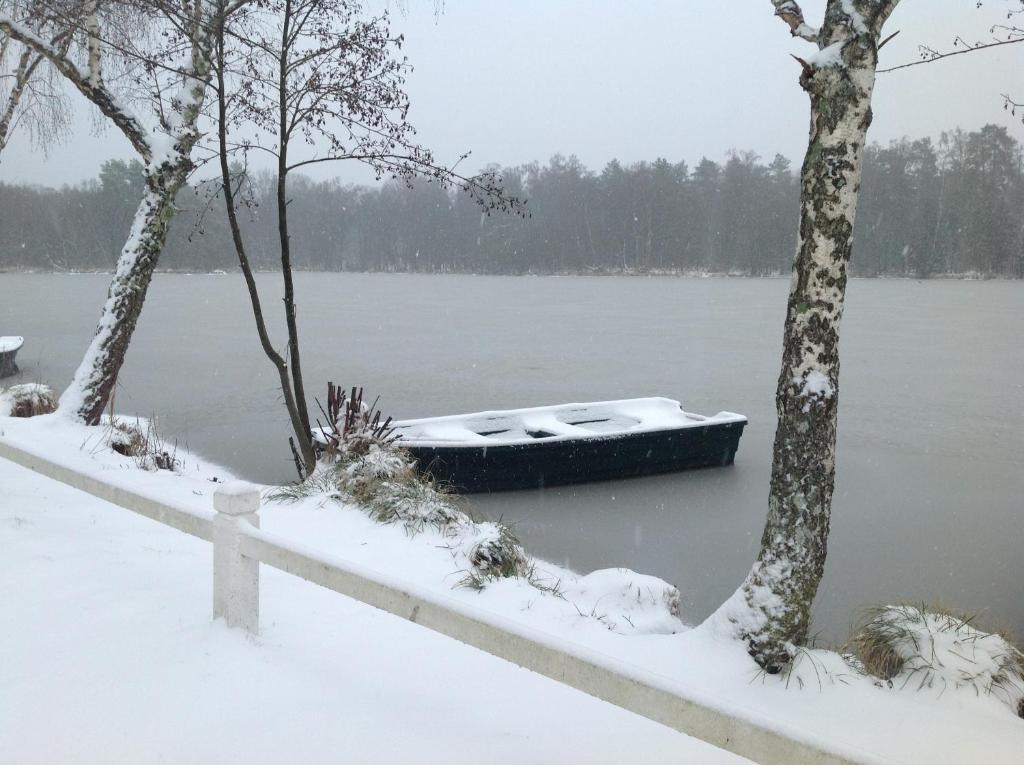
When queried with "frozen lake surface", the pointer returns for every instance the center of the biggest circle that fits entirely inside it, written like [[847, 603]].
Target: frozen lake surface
[[929, 500]]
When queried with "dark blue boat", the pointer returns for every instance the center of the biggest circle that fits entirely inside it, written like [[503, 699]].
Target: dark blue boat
[[569, 443]]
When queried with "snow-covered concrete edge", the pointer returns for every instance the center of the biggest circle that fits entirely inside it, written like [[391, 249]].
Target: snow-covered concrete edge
[[195, 521], [743, 731]]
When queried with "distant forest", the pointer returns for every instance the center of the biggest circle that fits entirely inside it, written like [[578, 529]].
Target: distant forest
[[951, 207]]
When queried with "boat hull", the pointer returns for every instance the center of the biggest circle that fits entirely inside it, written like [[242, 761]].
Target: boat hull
[[473, 468]]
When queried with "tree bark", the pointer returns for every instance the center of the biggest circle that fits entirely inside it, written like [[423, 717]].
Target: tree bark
[[97, 373], [302, 432], [96, 376], [773, 614]]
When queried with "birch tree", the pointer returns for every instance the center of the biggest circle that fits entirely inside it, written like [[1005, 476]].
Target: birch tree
[[173, 79], [771, 611]]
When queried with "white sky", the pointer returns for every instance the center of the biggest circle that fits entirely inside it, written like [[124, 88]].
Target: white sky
[[518, 80]]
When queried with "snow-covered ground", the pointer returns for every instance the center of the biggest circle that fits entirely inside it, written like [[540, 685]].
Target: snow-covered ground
[[110, 656], [112, 652]]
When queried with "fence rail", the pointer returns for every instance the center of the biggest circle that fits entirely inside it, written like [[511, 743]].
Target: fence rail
[[239, 546]]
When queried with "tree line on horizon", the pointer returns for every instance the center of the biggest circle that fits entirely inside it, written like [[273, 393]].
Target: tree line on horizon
[[949, 207]]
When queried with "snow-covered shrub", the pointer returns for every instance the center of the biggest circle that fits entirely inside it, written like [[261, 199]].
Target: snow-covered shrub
[[360, 462], [142, 444], [911, 646], [362, 471], [125, 438], [412, 501], [380, 478], [352, 428], [321, 482], [27, 400], [494, 552]]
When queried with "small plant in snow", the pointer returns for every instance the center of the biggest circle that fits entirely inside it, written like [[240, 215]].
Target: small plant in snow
[[323, 481], [361, 463], [913, 646], [143, 445], [412, 501], [495, 553], [352, 426], [381, 462], [27, 400]]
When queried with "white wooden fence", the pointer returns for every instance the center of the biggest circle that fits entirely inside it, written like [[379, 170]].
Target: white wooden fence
[[240, 546]]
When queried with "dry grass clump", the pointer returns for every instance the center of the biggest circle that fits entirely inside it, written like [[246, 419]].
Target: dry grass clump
[[415, 503], [143, 445], [27, 400], [496, 553], [382, 480], [937, 648], [361, 463]]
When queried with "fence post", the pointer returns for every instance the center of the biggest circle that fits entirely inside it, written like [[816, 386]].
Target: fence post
[[236, 578]]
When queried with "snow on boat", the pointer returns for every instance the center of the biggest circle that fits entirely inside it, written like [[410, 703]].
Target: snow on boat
[[568, 443], [9, 346]]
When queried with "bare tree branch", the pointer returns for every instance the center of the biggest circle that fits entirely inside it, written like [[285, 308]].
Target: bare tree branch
[[27, 64], [929, 55], [97, 93], [1011, 105]]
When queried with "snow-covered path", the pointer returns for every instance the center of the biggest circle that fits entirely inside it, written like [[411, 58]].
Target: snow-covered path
[[110, 656]]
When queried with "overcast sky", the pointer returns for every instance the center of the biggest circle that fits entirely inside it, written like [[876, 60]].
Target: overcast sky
[[519, 80]]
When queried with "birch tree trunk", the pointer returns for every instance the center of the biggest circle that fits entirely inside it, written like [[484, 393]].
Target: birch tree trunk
[[94, 380], [168, 164], [773, 613]]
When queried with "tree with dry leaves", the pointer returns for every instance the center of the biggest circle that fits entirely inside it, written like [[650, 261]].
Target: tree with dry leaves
[[307, 82]]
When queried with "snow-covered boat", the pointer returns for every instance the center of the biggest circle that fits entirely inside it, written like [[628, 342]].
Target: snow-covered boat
[[568, 443], [9, 346]]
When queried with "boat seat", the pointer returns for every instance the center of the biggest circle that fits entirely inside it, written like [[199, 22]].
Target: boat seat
[[547, 422]]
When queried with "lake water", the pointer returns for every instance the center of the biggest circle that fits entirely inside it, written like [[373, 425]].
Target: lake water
[[929, 502]]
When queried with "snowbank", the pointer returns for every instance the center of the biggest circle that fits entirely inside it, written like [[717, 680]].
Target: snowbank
[[110, 656], [26, 400], [621, 614]]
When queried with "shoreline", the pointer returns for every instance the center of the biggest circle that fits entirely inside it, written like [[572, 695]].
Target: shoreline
[[823, 702], [967, 277]]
